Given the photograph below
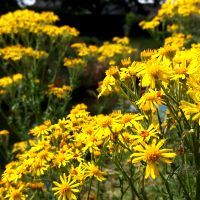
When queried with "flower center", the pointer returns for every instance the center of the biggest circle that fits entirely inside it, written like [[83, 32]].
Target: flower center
[[151, 96], [65, 188], [95, 171], [106, 122], [126, 118], [16, 195], [152, 155], [144, 133], [181, 70]]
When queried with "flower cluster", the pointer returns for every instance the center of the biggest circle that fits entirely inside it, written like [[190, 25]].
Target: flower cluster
[[60, 92], [109, 51], [25, 20], [173, 9], [8, 81], [64, 147], [142, 148], [17, 52], [73, 62]]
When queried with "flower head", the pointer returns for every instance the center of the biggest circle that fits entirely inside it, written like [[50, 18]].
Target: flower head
[[151, 154], [66, 189]]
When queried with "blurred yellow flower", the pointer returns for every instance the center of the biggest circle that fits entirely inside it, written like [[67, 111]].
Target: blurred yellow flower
[[4, 132]]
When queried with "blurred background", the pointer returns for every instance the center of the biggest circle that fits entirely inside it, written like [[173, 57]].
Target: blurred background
[[103, 19]]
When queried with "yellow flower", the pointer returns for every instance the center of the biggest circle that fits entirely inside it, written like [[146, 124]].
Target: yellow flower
[[17, 52], [112, 62], [91, 142], [126, 61], [151, 154], [66, 189], [93, 170], [151, 24], [146, 54], [167, 51], [9, 80], [37, 186], [124, 40], [107, 86], [177, 40], [112, 71], [84, 50], [38, 166], [172, 28], [170, 9], [131, 71], [41, 130], [145, 134], [78, 173], [73, 62], [192, 109], [155, 69], [62, 157], [59, 92], [16, 194], [109, 50], [131, 120], [150, 100], [25, 20], [54, 31], [4, 132]]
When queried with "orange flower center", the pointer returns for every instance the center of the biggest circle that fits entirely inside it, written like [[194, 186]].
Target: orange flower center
[[106, 122], [126, 118], [74, 172], [42, 127], [181, 70], [152, 155], [144, 133], [95, 171], [151, 96], [16, 195], [65, 188]]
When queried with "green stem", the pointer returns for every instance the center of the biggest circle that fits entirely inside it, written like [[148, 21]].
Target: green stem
[[98, 188], [186, 171], [177, 103], [171, 109], [133, 189], [90, 186], [184, 188], [124, 192], [167, 186], [143, 188], [159, 121], [197, 162]]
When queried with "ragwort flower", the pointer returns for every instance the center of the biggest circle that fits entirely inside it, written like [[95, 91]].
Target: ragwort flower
[[66, 189], [151, 154]]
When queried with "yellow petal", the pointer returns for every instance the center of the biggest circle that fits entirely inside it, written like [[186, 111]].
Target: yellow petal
[[147, 171]]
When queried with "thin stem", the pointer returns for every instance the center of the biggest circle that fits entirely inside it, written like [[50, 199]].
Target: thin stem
[[133, 189], [167, 186], [143, 190], [159, 121], [184, 188], [124, 192], [90, 186], [98, 188], [177, 103], [197, 162], [175, 117]]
